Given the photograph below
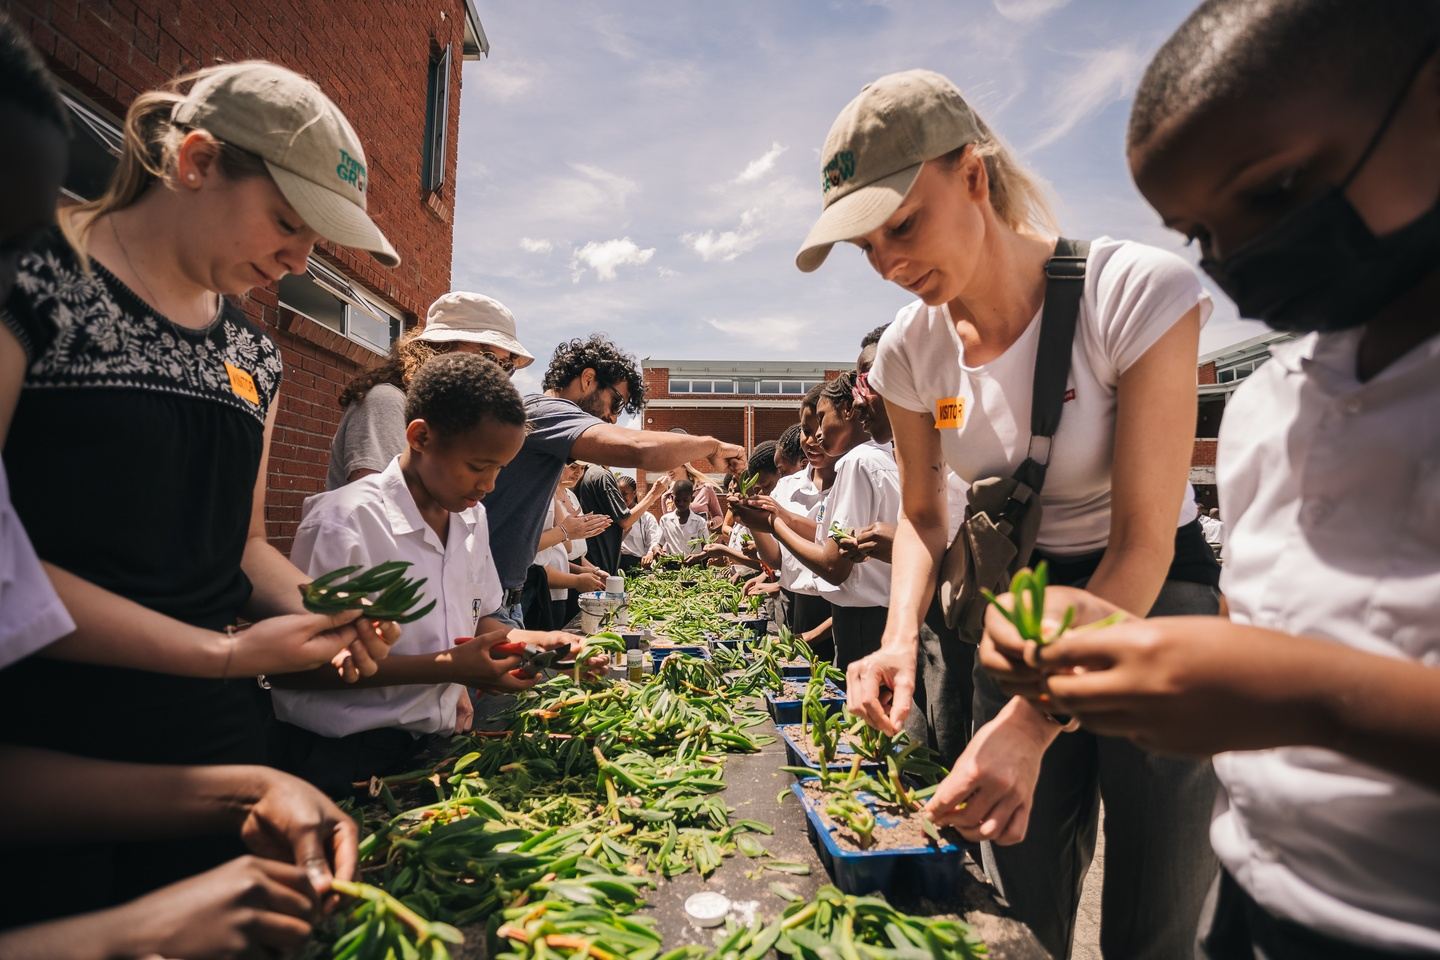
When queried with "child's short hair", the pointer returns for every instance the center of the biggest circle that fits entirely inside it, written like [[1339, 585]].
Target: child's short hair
[[762, 459], [454, 392], [789, 444], [841, 391], [873, 337], [812, 397], [1231, 48], [624, 481], [684, 488]]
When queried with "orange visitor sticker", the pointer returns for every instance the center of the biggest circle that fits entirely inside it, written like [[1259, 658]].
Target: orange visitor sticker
[[243, 384], [949, 413]]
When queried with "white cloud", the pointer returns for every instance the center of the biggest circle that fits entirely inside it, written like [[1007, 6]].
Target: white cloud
[[783, 332], [729, 244], [1101, 78], [1027, 11], [761, 165], [605, 257], [596, 194], [507, 80], [532, 245]]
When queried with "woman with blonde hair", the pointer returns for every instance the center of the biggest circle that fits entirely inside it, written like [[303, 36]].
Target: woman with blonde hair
[[372, 429], [150, 514], [939, 206]]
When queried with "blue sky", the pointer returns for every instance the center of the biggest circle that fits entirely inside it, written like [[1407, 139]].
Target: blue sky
[[648, 169]]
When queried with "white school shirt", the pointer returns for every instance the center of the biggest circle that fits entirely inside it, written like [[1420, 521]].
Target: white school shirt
[[866, 490], [798, 494], [556, 557], [643, 534], [1133, 295], [1331, 490], [675, 536], [374, 520], [31, 614]]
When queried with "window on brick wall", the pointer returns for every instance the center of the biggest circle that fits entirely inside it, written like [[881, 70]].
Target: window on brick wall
[[333, 300], [679, 386], [94, 149], [437, 107]]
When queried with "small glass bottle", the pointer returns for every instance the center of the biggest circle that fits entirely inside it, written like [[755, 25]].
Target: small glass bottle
[[634, 665]]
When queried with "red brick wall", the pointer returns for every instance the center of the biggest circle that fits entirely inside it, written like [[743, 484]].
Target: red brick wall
[[374, 65], [770, 423], [1206, 373], [1204, 454], [724, 423]]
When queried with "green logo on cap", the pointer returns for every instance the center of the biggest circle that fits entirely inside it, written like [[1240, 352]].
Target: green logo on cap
[[840, 168], [351, 171]]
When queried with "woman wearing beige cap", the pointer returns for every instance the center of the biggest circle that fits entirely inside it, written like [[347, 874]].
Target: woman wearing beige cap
[[939, 206], [372, 429], [138, 448]]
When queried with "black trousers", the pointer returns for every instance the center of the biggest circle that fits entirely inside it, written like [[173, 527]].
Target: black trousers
[[857, 632], [807, 612], [1241, 929], [335, 764]]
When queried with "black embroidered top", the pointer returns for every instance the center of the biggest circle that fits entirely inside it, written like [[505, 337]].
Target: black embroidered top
[[134, 452]]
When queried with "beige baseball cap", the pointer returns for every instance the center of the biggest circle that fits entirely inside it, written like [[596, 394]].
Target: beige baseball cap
[[874, 150], [474, 318], [308, 146]]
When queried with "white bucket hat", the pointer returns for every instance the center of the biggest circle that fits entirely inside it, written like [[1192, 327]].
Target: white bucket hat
[[874, 151], [474, 318], [308, 146]]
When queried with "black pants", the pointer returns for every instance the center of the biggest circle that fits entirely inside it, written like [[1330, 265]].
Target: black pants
[[1241, 929], [335, 764], [808, 612], [628, 563], [857, 632], [944, 689]]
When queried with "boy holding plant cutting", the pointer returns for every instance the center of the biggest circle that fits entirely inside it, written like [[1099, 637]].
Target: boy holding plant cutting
[[1299, 142], [465, 422], [682, 533], [758, 480]]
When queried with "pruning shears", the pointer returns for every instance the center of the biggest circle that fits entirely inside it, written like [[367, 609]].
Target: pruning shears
[[533, 658]]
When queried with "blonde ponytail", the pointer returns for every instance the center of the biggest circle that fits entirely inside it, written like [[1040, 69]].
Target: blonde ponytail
[[1016, 194]]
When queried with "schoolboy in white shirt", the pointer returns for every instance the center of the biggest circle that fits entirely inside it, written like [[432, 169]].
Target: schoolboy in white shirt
[[1299, 142], [680, 529], [465, 422]]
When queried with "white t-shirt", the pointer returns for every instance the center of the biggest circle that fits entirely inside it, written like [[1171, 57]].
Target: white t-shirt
[[643, 534], [866, 491], [1331, 492], [374, 520], [31, 614], [556, 557], [1133, 295], [577, 545], [798, 494], [675, 536]]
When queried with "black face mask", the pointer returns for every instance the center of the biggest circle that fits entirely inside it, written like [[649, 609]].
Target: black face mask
[[1321, 268]]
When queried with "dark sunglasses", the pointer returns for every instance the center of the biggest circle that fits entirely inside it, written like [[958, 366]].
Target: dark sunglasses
[[504, 363]]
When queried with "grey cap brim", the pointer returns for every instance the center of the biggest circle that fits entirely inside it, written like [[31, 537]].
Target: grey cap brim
[[494, 338], [854, 214], [333, 216]]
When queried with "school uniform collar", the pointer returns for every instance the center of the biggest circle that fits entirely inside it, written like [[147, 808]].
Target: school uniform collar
[[404, 515]]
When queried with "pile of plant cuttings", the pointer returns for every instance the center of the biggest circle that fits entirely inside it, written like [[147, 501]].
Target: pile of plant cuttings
[[552, 832]]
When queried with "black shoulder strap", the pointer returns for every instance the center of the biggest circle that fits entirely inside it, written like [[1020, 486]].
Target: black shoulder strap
[[1064, 283]]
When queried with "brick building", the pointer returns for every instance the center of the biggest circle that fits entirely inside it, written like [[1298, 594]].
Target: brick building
[[737, 401], [394, 69], [1219, 374]]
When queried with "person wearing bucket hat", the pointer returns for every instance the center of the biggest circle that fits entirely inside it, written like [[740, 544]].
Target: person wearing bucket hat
[[940, 206], [372, 429], [142, 362]]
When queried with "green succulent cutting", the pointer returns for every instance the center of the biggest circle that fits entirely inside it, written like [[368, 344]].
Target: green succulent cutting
[[382, 592]]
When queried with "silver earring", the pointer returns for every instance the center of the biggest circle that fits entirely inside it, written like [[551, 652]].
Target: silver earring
[[192, 178]]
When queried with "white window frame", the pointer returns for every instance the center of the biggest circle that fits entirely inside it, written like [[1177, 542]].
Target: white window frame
[[353, 297]]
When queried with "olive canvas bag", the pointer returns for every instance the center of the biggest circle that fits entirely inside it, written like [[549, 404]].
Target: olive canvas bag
[[1002, 514]]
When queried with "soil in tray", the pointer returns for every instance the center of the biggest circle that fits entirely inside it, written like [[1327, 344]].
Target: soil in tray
[[905, 834], [812, 752], [795, 690]]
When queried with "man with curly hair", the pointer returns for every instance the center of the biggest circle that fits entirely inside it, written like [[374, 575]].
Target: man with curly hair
[[589, 383]]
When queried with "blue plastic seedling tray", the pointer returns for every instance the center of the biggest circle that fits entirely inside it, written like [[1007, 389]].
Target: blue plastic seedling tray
[[758, 626], [904, 875], [789, 671], [793, 734], [658, 656], [789, 711]]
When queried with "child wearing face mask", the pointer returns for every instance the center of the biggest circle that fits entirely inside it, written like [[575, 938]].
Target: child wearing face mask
[[1299, 142]]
